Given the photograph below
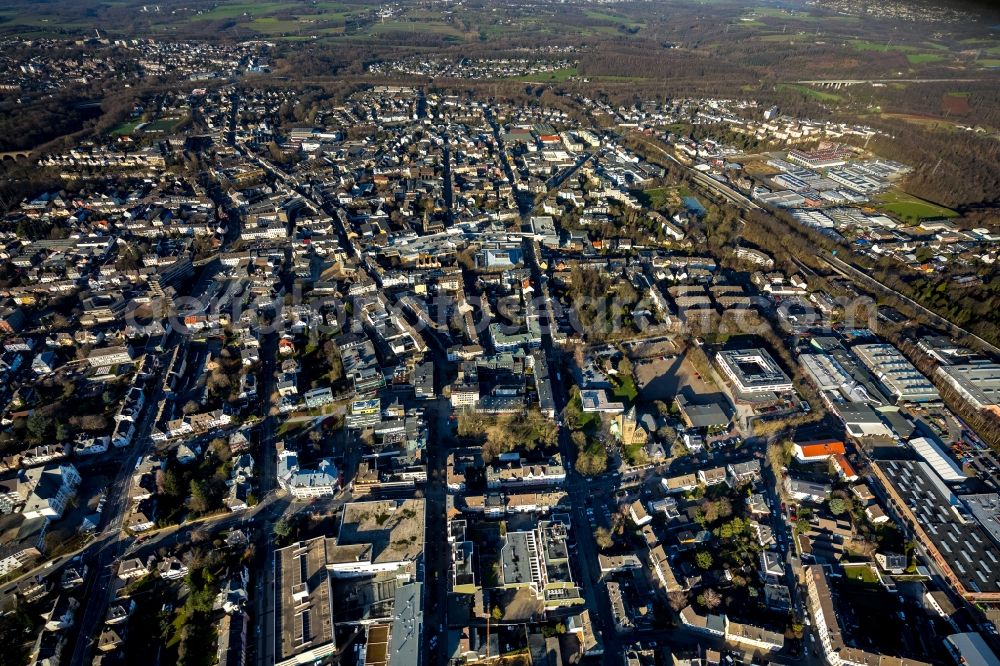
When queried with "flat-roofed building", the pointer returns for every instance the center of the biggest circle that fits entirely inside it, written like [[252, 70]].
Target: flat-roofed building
[[977, 383], [963, 551], [679, 484], [303, 615], [940, 462], [897, 374], [539, 560], [970, 649], [709, 415], [406, 632], [378, 536], [753, 371]]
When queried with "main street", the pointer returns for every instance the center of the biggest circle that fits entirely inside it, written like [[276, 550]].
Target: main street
[[113, 540]]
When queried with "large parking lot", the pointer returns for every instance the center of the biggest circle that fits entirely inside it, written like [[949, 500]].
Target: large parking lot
[[663, 377]]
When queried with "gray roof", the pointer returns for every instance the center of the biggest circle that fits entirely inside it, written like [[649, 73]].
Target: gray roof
[[407, 626]]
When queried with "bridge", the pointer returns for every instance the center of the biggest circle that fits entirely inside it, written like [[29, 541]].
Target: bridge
[[15, 155]]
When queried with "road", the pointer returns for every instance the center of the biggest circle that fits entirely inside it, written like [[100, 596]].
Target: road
[[113, 540]]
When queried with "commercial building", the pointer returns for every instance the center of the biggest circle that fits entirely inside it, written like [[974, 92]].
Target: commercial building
[[303, 615], [710, 415], [753, 371], [819, 450], [940, 462], [406, 632], [961, 548], [896, 373], [110, 356], [977, 383], [323, 481], [378, 536], [970, 649], [539, 559]]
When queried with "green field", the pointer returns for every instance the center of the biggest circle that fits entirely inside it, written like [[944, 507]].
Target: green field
[[775, 13], [878, 47], [416, 26], [165, 125], [911, 208], [236, 10], [860, 573], [988, 62], [126, 129], [924, 58], [818, 95], [626, 391]]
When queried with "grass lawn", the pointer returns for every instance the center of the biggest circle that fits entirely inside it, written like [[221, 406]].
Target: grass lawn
[[626, 390], [865, 45], [911, 208], [809, 92], [162, 125], [860, 573], [125, 129], [635, 454], [988, 62], [923, 58]]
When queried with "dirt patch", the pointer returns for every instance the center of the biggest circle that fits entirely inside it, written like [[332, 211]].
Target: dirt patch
[[955, 104]]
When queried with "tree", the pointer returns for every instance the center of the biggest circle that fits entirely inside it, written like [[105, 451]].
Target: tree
[[704, 560], [838, 506], [282, 528], [678, 600], [332, 353], [712, 511], [592, 461], [220, 449], [710, 599], [190, 407], [40, 427], [603, 538], [661, 408], [199, 501], [90, 422], [625, 368]]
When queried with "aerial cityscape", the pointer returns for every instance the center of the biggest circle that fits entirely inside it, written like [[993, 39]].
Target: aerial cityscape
[[445, 332]]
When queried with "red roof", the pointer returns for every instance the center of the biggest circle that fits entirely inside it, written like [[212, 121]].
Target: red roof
[[822, 449], [845, 467]]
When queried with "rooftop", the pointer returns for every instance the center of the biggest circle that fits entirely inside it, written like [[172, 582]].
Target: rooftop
[[395, 529]]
